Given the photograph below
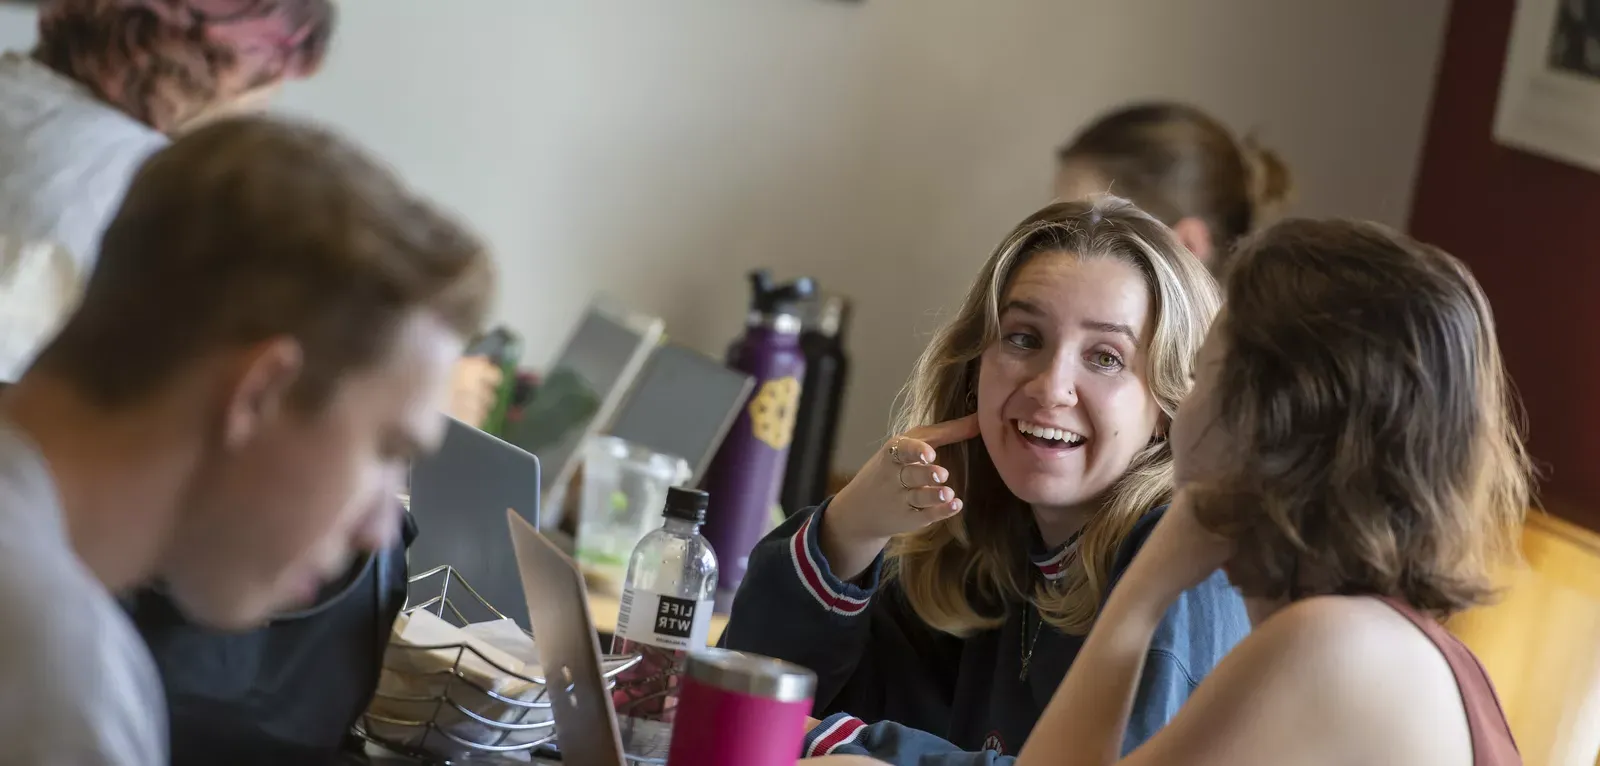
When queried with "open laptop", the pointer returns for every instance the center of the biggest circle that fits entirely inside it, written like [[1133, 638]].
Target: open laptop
[[580, 392], [569, 651], [683, 405], [459, 498]]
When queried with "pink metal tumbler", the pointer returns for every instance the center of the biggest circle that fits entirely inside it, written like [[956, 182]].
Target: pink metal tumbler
[[737, 709]]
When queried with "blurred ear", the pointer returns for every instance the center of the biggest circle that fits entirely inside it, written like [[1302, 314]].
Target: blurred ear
[[259, 394], [1195, 235]]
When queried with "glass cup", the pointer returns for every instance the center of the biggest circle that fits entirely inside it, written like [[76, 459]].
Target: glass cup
[[624, 491]]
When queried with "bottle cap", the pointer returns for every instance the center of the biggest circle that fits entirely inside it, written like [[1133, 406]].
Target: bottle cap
[[686, 504], [771, 299], [827, 315]]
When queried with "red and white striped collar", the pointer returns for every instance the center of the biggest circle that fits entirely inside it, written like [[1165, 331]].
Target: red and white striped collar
[[1053, 564]]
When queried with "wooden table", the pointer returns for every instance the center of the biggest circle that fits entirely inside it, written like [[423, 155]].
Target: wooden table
[[603, 610]]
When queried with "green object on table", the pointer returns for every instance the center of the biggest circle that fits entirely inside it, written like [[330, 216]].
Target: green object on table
[[561, 406], [503, 346], [495, 423]]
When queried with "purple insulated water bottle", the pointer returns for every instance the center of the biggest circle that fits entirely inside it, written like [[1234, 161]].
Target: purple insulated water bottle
[[745, 476]]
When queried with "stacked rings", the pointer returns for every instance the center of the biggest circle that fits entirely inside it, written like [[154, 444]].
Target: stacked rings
[[900, 476]]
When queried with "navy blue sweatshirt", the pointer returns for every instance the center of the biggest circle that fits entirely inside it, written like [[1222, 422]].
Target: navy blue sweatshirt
[[895, 689]]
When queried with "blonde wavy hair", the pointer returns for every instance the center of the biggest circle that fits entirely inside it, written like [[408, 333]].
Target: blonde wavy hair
[[958, 574]]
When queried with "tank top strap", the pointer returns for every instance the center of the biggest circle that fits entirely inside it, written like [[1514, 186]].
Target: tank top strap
[[1492, 741]]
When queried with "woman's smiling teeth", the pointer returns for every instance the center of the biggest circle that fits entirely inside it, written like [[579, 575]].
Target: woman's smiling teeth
[[1053, 437]]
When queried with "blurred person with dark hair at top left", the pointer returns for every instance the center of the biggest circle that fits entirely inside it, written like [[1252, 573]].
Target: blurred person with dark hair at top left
[[109, 82]]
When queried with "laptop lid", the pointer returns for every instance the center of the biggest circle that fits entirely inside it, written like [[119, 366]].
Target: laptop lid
[[459, 498], [569, 649], [580, 392], [683, 405]]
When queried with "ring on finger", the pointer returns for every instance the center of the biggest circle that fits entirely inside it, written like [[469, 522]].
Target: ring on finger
[[901, 477], [894, 450]]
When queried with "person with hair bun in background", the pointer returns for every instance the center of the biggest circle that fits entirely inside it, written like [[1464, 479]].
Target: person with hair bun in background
[[1182, 166]]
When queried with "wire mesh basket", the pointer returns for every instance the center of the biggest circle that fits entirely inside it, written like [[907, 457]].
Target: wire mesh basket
[[449, 703]]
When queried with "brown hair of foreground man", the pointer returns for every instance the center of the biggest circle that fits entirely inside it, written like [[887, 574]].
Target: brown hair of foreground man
[[256, 227], [263, 350]]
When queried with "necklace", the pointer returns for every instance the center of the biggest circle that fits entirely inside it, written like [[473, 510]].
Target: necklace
[[1068, 550], [1027, 645]]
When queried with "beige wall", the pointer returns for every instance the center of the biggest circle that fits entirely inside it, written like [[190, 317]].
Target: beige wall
[[657, 150]]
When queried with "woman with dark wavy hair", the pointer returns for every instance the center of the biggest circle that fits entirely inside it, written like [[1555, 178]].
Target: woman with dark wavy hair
[[1349, 457], [106, 85], [172, 64]]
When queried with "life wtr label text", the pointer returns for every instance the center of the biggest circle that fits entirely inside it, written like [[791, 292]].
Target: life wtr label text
[[668, 622]]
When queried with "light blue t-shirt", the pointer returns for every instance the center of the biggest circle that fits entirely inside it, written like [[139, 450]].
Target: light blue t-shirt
[[77, 686], [68, 159]]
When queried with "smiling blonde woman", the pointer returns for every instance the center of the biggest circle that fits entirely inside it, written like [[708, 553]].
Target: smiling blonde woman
[[942, 595]]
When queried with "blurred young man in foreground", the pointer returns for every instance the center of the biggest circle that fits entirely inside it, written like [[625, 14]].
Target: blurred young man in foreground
[[265, 343]]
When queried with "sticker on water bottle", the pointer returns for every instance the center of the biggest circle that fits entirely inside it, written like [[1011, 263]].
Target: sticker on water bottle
[[772, 411], [667, 622]]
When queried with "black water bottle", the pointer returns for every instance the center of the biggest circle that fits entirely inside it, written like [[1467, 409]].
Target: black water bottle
[[821, 398]]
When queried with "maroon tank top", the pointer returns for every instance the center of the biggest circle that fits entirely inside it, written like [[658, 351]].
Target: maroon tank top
[[1492, 743]]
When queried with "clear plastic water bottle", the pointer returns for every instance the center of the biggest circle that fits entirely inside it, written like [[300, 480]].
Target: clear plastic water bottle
[[667, 601]]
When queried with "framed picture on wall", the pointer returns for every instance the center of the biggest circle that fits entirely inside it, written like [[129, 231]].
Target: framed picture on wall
[[1550, 92]]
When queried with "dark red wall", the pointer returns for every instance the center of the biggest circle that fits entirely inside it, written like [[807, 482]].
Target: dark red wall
[[1530, 229]]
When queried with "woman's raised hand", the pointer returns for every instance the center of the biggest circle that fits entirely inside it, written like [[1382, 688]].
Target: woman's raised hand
[[901, 489], [474, 387]]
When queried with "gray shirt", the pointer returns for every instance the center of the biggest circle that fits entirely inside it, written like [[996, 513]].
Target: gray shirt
[[66, 159], [77, 686]]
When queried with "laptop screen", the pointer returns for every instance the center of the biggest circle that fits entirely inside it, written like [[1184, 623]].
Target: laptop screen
[[580, 392], [682, 406]]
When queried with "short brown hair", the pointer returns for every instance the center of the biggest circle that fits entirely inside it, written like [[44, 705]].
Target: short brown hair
[[1177, 162], [165, 61], [254, 228], [1374, 447]]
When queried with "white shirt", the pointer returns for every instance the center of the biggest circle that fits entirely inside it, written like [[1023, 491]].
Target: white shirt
[[77, 685], [66, 159]]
